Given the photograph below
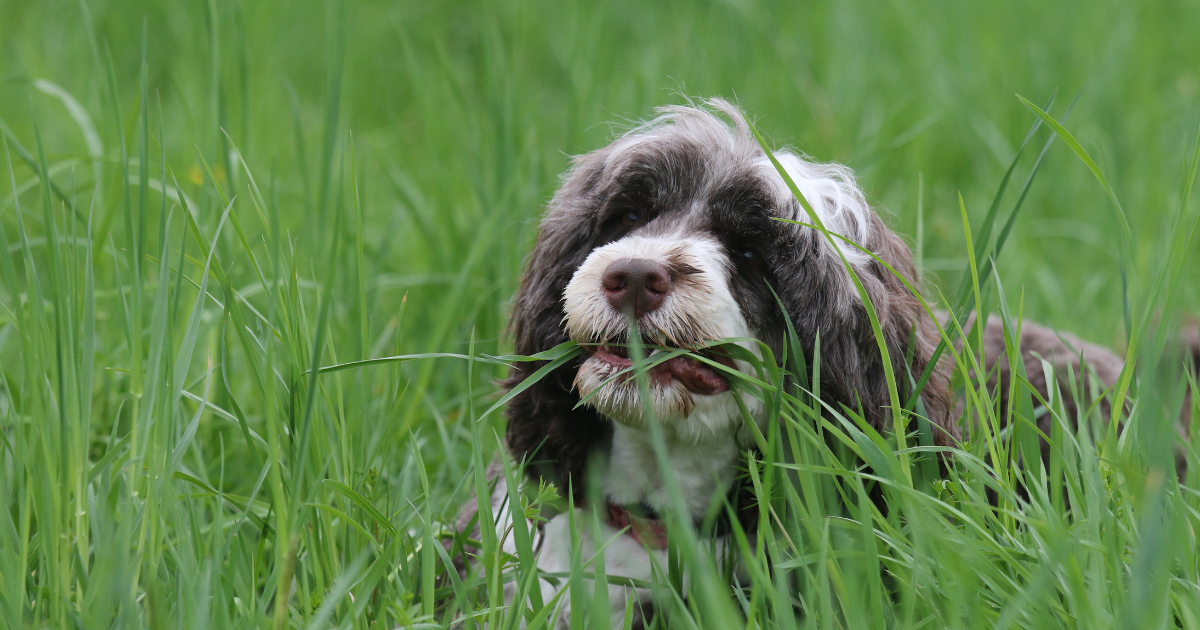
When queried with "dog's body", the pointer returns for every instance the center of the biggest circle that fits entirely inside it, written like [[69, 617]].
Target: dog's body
[[676, 224]]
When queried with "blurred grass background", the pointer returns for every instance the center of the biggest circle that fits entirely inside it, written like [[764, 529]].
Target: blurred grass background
[[467, 112], [435, 133]]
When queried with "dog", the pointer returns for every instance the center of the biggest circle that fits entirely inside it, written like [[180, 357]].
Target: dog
[[675, 225]]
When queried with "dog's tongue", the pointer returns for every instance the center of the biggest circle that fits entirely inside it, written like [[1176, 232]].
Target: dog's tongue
[[697, 377]]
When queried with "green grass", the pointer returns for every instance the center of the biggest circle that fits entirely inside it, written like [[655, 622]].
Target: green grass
[[241, 192]]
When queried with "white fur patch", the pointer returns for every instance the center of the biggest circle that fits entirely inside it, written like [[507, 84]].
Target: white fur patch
[[833, 195], [623, 557], [700, 469], [700, 308]]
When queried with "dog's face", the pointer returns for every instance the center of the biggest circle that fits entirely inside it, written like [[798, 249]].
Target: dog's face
[[676, 224], [686, 241]]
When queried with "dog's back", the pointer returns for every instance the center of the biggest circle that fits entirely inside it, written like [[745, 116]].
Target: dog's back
[[1082, 371]]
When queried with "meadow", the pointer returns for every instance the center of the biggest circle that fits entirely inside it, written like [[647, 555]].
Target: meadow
[[204, 203]]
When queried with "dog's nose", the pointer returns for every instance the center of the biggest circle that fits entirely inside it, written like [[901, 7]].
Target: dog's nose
[[636, 284]]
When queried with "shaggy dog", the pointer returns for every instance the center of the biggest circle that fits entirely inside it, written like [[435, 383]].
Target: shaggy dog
[[674, 224]]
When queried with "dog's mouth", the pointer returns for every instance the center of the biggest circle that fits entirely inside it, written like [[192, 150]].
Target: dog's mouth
[[695, 376]]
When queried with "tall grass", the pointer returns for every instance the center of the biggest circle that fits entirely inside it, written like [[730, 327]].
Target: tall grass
[[221, 222]]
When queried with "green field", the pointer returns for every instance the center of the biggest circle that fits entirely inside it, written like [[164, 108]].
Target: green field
[[362, 179]]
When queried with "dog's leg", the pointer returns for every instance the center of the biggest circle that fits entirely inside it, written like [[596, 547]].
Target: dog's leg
[[551, 542], [623, 557]]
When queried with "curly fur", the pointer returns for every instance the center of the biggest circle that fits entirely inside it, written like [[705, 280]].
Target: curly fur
[[701, 174]]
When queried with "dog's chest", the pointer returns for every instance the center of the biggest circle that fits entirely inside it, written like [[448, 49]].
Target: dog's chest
[[702, 471]]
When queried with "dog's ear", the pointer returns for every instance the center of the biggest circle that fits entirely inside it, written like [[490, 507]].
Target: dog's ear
[[911, 333], [544, 425], [823, 299]]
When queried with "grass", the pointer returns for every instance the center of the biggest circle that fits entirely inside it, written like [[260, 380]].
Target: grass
[[240, 194]]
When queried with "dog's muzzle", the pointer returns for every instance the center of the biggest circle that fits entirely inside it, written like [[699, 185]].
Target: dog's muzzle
[[676, 289]]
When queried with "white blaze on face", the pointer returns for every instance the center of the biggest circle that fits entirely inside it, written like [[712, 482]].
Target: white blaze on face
[[692, 312], [699, 308]]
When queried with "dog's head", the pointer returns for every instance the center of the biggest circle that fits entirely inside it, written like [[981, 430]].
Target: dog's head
[[675, 223]]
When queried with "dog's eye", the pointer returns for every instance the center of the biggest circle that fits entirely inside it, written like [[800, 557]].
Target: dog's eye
[[631, 219], [751, 257]]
